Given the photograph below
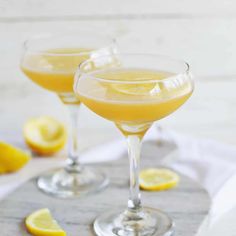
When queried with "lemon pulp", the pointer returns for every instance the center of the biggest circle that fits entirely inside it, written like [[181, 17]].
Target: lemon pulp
[[45, 135]]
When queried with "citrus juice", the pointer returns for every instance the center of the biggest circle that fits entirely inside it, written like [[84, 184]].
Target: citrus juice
[[134, 96], [54, 69]]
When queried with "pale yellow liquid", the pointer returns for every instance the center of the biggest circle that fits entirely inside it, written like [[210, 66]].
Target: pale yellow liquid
[[54, 69], [134, 104]]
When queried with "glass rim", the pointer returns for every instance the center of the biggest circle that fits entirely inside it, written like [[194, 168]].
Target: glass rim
[[111, 41], [171, 77]]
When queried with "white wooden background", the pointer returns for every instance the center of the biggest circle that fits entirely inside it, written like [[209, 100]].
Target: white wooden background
[[199, 31]]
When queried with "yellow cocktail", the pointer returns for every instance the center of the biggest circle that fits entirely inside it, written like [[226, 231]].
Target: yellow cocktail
[[55, 69], [133, 91], [133, 103], [51, 62]]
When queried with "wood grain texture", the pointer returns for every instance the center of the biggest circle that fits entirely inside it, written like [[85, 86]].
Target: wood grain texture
[[208, 45], [114, 8], [187, 204]]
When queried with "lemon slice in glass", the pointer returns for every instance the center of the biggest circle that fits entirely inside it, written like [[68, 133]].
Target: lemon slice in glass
[[41, 223], [155, 179], [11, 158], [45, 135], [137, 89]]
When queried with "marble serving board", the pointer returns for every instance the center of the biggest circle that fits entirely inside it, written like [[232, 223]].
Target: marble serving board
[[187, 204]]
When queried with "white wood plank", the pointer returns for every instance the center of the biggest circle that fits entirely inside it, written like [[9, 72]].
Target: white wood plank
[[208, 45], [209, 113], [15, 9]]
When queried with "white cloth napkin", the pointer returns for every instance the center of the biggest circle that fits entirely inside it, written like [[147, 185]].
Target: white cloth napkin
[[208, 162]]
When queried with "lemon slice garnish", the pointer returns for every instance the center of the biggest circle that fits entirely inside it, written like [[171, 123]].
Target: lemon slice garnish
[[137, 89], [45, 135], [41, 223], [154, 179], [12, 158]]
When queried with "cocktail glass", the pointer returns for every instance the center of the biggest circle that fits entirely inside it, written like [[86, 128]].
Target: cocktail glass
[[51, 62], [133, 91]]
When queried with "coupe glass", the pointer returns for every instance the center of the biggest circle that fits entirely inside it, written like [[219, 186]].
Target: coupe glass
[[51, 62], [133, 91]]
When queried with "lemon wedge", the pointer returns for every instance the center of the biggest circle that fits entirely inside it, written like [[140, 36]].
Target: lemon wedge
[[41, 223], [154, 179], [45, 135], [11, 158]]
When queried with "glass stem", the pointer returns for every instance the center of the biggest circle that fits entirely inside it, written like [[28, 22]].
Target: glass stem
[[73, 154], [134, 147]]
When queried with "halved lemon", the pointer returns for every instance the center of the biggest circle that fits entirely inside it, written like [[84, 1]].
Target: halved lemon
[[156, 179], [45, 135], [41, 223], [11, 158]]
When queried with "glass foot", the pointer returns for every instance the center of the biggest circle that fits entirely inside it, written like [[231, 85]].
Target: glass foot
[[63, 183], [146, 223]]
